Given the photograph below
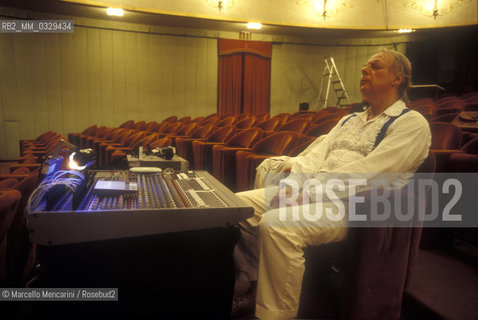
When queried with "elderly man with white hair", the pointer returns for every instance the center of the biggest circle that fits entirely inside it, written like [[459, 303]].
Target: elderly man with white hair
[[386, 137]]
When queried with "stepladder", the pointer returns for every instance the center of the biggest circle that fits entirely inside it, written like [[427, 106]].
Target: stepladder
[[332, 81]]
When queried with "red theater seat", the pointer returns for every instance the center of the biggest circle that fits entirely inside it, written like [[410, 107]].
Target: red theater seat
[[210, 120], [261, 116], [283, 117], [226, 121], [184, 132], [202, 149], [185, 119], [269, 124], [184, 147], [170, 119], [245, 123], [295, 125], [127, 124], [224, 156], [247, 161], [322, 128], [128, 144], [9, 201]]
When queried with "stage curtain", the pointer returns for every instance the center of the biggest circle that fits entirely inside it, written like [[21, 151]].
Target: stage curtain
[[257, 84], [244, 76], [230, 84]]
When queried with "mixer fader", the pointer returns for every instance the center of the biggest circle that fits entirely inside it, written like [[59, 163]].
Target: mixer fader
[[118, 204]]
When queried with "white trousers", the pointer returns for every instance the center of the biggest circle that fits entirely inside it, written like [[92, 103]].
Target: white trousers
[[271, 251]]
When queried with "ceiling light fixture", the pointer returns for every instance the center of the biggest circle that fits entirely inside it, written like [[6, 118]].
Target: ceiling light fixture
[[221, 4], [433, 9], [115, 12], [327, 8], [405, 30], [254, 25]]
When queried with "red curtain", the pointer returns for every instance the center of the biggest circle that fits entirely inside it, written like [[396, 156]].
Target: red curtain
[[244, 76], [229, 98], [257, 84]]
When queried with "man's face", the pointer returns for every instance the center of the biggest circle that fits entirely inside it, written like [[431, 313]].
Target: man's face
[[378, 76]]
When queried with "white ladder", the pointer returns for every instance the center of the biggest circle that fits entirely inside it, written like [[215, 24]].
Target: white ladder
[[333, 77]]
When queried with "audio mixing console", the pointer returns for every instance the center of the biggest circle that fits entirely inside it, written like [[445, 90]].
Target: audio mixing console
[[102, 205]]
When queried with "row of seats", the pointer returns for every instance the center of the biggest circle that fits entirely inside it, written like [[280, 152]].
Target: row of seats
[[445, 109], [282, 134], [232, 146], [111, 144], [446, 267], [17, 254]]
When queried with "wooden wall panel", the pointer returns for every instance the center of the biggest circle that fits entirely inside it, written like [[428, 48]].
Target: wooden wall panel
[[66, 82]]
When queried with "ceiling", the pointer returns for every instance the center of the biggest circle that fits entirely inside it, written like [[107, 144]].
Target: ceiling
[[350, 22]]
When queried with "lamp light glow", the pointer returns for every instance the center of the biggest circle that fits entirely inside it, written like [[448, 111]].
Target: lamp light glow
[[254, 25], [405, 30], [115, 12], [74, 164]]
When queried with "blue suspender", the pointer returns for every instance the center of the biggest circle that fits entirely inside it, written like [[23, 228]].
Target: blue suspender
[[353, 115], [383, 131]]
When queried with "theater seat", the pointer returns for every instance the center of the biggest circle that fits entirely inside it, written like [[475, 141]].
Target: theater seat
[[471, 107], [210, 120], [119, 138], [202, 149], [242, 116], [127, 124], [447, 117], [185, 119], [426, 107], [301, 145], [160, 143], [212, 115], [364, 276], [74, 138], [170, 119], [121, 152], [327, 116], [322, 128], [470, 97], [87, 141], [245, 123], [283, 117], [198, 119], [304, 115], [247, 161], [184, 147], [128, 144], [224, 156], [446, 139], [139, 126], [296, 125], [261, 116], [171, 129], [9, 201], [269, 124], [151, 126], [466, 160], [226, 121], [21, 253], [445, 136], [183, 132]]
